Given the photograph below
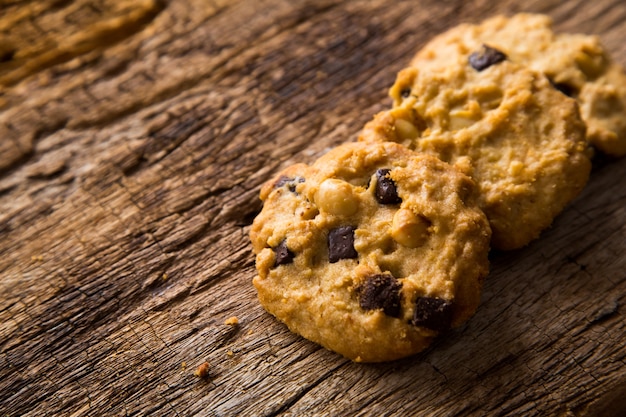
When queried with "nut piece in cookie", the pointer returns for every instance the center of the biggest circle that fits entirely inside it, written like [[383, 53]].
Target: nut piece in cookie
[[383, 228], [506, 126]]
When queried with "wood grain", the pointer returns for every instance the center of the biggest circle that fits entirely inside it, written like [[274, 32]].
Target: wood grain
[[134, 139]]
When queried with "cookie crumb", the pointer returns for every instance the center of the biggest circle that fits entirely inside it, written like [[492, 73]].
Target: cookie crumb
[[230, 353], [232, 321], [164, 276], [202, 371], [183, 365]]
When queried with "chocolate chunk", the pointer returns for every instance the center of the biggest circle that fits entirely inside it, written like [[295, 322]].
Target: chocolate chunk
[[405, 93], [289, 181], [283, 254], [341, 244], [282, 180], [564, 88], [433, 313], [487, 57], [386, 192], [380, 291]]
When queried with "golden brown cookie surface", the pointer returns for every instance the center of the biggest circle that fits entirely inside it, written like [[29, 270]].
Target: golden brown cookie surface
[[372, 251]]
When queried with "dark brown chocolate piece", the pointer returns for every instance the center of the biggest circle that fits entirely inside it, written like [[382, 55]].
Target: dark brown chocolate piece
[[432, 313], [485, 58], [405, 93], [283, 254], [341, 244], [291, 182], [564, 88], [381, 291], [386, 191]]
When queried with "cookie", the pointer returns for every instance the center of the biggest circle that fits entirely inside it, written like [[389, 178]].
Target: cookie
[[576, 64], [372, 251], [504, 125]]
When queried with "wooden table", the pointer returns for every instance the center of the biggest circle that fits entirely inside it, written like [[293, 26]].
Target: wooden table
[[134, 137]]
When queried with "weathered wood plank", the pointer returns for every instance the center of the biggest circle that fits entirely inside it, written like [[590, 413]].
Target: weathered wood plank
[[129, 175]]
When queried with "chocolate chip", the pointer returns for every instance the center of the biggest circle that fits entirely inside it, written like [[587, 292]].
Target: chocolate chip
[[381, 291], [283, 254], [341, 244], [405, 93], [433, 313], [291, 182], [564, 88], [386, 192], [487, 57], [282, 180]]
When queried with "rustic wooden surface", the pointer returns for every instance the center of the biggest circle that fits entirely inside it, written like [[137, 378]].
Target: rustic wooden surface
[[134, 137]]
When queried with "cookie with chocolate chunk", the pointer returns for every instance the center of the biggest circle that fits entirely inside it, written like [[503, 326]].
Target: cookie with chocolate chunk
[[372, 251], [504, 125], [576, 64]]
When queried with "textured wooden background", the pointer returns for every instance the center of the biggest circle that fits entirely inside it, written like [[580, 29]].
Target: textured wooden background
[[134, 137]]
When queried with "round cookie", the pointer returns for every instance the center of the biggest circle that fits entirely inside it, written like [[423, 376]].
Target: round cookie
[[576, 64], [372, 251], [504, 125]]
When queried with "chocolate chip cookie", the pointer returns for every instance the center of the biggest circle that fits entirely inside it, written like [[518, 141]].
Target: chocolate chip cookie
[[576, 64], [504, 125], [372, 251]]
